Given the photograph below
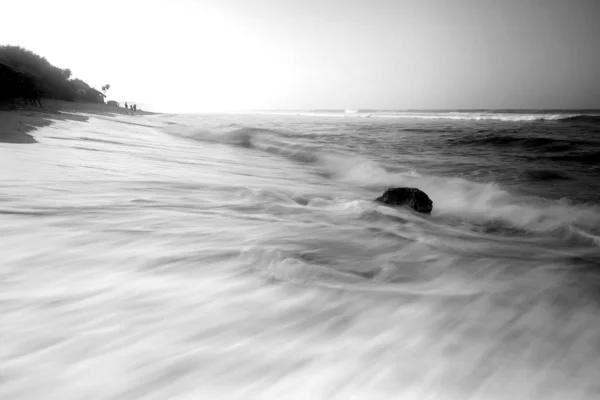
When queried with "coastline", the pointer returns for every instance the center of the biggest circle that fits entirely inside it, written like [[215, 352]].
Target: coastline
[[18, 121]]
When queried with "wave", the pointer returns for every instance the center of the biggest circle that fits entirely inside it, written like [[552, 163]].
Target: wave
[[582, 157], [483, 203], [583, 118], [487, 207], [510, 117], [479, 203], [545, 175], [453, 115], [537, 144]]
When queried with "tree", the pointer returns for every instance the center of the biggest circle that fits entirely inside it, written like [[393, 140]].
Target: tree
[[49, 80], [105, 88]]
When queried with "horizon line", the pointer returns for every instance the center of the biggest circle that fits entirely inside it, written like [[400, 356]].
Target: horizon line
[[414, 109]]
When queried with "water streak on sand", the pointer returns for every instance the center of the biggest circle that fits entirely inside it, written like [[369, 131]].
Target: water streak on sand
[[241, 256]]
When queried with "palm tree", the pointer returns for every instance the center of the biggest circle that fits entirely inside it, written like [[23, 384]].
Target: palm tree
[[105, 88]]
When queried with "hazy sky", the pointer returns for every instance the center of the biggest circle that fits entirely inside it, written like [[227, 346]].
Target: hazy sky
[[188, 55]]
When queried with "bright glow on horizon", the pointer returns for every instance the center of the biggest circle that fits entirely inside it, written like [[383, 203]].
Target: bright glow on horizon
[[186, 55], [177, 57]]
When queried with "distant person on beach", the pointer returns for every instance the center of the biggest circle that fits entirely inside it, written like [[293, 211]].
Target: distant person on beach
[[135, 107], [126, 106]]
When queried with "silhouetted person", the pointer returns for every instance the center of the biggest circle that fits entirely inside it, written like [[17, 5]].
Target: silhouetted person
[[126, 106], [135, 107]]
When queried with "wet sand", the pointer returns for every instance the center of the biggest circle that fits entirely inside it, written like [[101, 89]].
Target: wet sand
[[17, 121]]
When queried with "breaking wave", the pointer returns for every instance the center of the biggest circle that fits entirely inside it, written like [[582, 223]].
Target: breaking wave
[[514, 117], [452, 115], [240, 257], [536, 144], [479, 203]]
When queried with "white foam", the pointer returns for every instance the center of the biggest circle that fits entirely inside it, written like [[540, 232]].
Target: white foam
[[432, 115], [475, 201], [158, 268]]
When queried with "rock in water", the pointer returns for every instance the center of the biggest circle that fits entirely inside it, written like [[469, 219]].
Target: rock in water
[[412, 197]]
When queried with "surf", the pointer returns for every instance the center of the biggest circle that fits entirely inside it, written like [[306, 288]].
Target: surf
[[513, 116], [199, 243], [476, 202]]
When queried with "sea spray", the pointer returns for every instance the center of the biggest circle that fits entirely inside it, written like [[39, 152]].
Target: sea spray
[[243, 256]]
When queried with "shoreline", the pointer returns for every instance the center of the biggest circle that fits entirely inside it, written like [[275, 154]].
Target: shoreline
[[17, 121]]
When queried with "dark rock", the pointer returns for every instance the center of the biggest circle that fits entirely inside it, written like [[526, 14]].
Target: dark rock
[[412, 197]]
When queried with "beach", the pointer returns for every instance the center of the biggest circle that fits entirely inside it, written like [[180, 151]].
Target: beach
[[242, 256], [18, 120], [331, 200]]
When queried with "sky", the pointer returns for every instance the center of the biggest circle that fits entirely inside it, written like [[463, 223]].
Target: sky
[[207, 55]]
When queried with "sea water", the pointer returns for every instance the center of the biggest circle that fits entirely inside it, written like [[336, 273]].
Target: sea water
[[241, 256]]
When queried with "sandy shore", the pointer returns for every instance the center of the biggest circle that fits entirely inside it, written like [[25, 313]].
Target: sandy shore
[[16, 121]]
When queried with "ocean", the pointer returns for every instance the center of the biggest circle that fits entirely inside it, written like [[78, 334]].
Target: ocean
[[241, 256]]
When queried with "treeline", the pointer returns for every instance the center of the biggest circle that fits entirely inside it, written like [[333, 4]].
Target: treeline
[[26, 75]]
